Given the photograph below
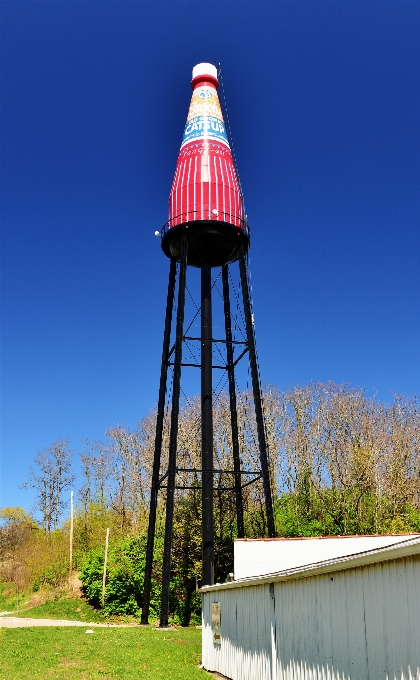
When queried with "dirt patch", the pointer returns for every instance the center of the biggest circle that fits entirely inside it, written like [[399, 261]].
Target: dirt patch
[[71, 589], [68, 663], [74, 586], [40, 597], [182, 643]]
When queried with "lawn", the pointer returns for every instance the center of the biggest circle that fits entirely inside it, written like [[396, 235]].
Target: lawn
[[7, 600], [72, 608], [107, 654], [60, 606]]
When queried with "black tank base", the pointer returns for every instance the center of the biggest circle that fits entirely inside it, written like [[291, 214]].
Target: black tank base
[[215, 243]]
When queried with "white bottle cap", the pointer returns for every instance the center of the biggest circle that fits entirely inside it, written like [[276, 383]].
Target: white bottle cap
[[204, 69]]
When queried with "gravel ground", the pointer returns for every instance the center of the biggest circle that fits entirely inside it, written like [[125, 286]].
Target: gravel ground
[[14, 622]]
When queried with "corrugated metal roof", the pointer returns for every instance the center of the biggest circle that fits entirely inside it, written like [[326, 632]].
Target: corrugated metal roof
[[324, 538], [405, 548]]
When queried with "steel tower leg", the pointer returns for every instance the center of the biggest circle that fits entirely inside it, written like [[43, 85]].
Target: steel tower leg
[[158, 445], [207, 427], [256, 388], [173, 437], [233, 409]]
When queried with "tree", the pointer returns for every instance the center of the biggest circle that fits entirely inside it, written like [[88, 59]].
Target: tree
[[51, 477], [16, 526]]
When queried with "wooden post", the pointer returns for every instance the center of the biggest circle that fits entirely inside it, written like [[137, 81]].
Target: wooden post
[[71, 532], [105, 561]]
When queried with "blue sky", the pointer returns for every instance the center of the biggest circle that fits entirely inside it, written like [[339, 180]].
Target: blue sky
[[323, 100]]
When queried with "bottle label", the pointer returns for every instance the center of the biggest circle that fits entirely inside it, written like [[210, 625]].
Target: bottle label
[[205, 118]]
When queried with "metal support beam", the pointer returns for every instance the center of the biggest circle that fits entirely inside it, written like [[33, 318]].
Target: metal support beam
[[207, 427], [172, 356], [233, 409], [158, 444], [256, 388], [173, 437]]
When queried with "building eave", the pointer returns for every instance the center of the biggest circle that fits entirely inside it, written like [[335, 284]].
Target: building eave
[[407, 548]]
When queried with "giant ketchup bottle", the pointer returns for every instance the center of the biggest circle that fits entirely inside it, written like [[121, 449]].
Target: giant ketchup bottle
[[205, 188]]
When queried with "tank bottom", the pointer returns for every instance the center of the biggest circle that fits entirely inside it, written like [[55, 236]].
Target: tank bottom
[[209, 242]]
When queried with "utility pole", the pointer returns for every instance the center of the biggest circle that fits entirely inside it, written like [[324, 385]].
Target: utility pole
[[71, 533], [105, 563]]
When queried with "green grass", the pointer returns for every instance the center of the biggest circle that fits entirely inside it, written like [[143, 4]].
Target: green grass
[[73, 609], [108, 654], [60, 607], [7, 600]]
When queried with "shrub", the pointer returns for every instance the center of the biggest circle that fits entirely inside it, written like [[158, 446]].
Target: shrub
[[125, 582], [125, 578]]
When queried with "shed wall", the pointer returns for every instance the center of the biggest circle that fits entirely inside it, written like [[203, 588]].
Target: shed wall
[[359, 624], [254, 557]]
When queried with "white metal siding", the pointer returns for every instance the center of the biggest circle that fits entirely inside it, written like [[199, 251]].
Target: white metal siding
[[245, 633], [358, 624]]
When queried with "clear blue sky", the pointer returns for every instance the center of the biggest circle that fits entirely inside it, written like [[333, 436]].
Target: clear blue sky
[[324, 103]]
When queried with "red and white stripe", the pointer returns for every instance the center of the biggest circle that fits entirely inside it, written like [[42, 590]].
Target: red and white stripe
[[205, 186]]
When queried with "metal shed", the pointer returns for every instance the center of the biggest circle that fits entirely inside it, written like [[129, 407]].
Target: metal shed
[[349, 617]]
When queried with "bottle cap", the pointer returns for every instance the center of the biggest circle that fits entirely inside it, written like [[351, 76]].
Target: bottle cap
[[204, 73]]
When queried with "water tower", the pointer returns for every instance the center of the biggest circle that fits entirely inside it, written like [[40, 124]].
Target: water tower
[[207, 229]]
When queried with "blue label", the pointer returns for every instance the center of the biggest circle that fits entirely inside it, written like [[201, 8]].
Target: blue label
[[205, 94], [205, 127]]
